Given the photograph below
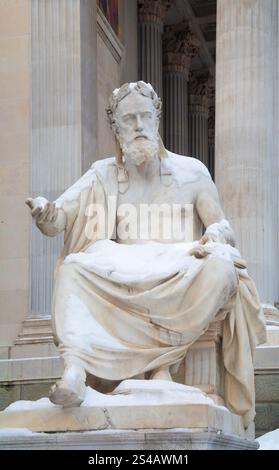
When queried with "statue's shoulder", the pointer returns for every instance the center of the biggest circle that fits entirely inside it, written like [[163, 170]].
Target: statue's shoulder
[[100, 169], [187, 169], [104, 167]]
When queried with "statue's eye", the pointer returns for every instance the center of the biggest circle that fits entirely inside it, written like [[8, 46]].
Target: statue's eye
[[147, 115], [127, 118]]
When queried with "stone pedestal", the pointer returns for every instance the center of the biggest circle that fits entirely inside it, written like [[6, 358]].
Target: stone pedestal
[[203, 366], [149, 439], [267, 376], [156, 409]]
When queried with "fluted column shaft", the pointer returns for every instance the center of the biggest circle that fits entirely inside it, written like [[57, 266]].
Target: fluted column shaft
[[176, 110], [201, 91], [198, 132], [150, 54], [211, 139], [63, 137], [179, 47], [275, 133], [151, 14], [246, 156]]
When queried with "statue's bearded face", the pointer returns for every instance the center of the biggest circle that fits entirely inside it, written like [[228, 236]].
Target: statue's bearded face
[[137, 124]]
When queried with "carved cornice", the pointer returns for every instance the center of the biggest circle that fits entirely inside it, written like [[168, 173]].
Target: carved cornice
[[153, 11], [180, 45]]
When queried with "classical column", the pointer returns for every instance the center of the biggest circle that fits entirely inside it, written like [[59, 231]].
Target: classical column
[[275, 134], [151, 14], [211, 136], [179, 47], [246, 156], [200, 89], [63, 135]]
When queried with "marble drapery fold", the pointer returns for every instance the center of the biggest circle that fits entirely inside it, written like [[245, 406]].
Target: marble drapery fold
[[119, 327]]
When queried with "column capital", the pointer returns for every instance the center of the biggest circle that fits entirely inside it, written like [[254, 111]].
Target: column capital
[[180, 45], [201, 91], [153, 11]]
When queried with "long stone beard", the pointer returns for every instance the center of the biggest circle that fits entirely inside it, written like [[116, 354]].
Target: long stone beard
[[140, 151]]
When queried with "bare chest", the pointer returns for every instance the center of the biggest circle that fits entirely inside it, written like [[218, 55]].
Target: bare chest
[[154, 211]]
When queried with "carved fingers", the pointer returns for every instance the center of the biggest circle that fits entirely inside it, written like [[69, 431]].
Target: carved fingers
[[42, 210], [199, 251], [48, 214], [208, 237]]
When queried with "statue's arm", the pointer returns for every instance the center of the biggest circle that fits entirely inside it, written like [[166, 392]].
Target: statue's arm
[[49, 219], [211, 214], [54, 217]]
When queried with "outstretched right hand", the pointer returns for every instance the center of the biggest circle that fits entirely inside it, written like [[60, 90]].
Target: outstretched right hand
[[42, 210]]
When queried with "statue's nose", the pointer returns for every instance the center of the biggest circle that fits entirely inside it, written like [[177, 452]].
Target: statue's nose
[[139, 126]]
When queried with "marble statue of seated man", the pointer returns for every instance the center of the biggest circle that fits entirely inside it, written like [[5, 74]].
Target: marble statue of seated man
[[136, 284]]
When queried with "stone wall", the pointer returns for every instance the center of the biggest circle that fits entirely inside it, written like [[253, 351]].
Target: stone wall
[[14, 167], [267, 402]]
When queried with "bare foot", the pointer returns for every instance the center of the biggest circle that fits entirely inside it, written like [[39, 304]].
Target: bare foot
[[70, 390], [161, 374]]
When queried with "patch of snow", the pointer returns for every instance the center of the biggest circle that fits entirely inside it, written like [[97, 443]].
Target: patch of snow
[[9, 432], [131, 86], [147, 392], [185, 169], [40, 201], [134, 263], [128, 393], [24, 405], [269, 441], [223, 250], [142, 262]]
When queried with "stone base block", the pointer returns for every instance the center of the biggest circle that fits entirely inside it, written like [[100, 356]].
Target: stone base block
[[149, 439], [138, 414], [190, 416]]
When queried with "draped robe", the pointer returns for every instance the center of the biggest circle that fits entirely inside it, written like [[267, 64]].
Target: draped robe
[[118, 324]]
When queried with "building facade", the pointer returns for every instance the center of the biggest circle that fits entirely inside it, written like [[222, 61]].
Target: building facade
[[215, 65]]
